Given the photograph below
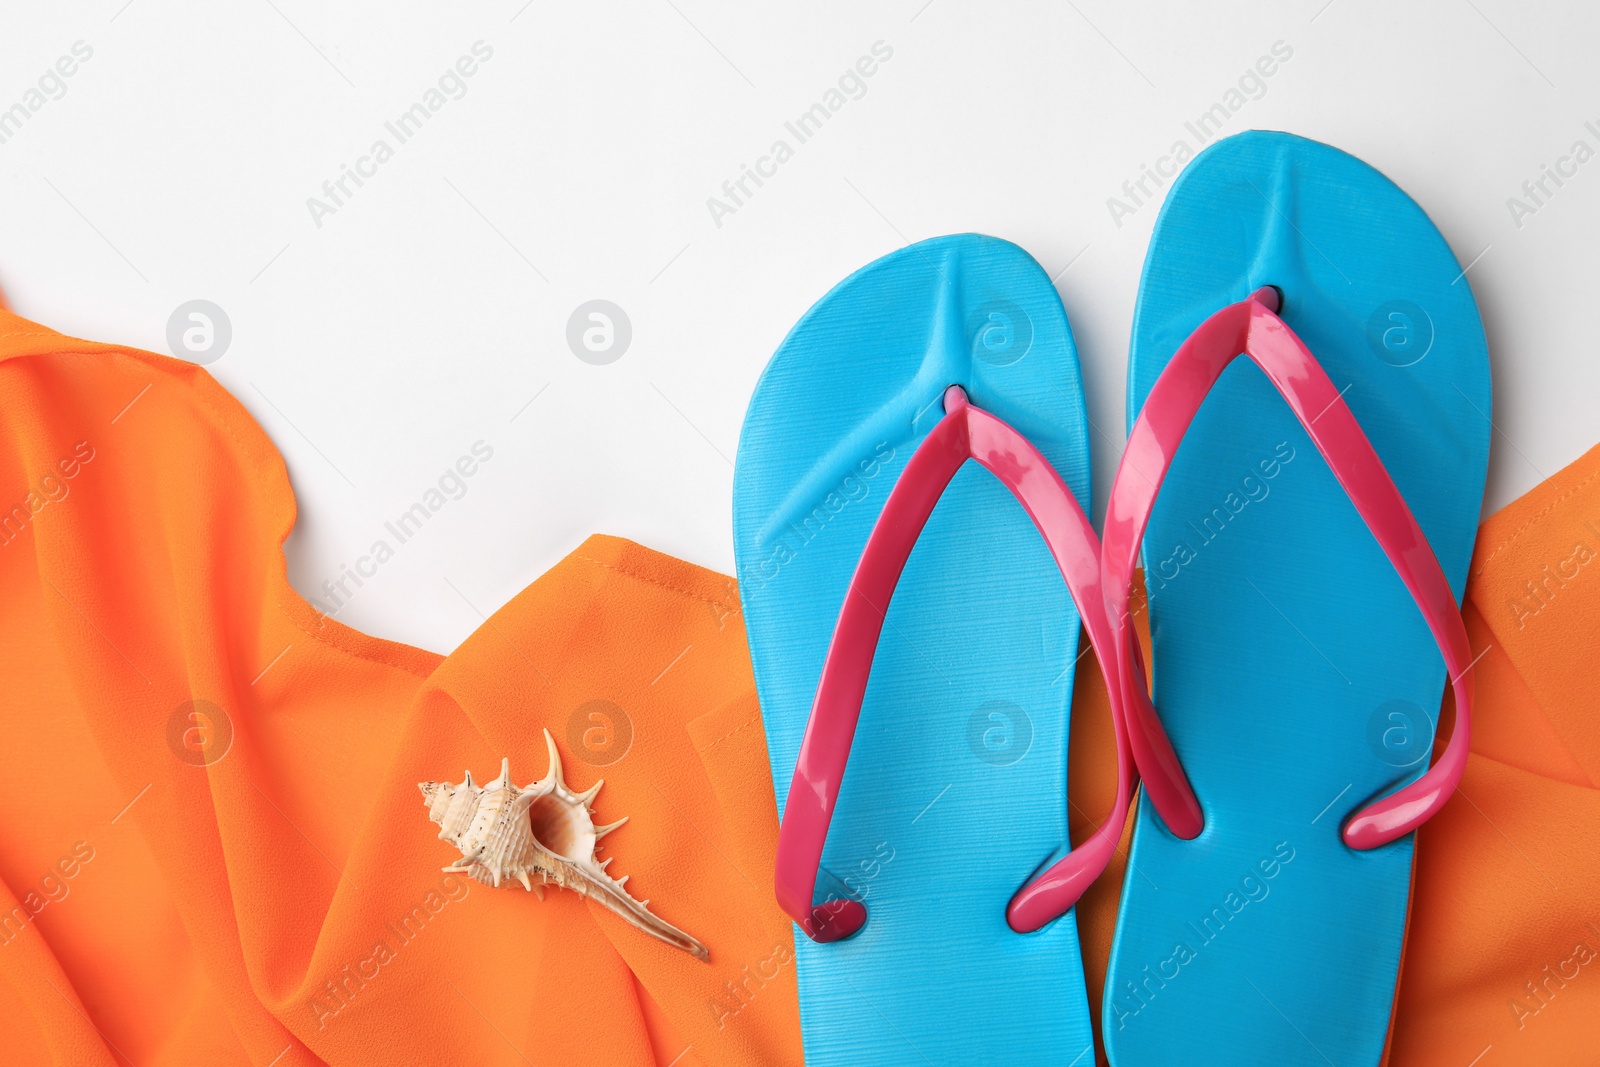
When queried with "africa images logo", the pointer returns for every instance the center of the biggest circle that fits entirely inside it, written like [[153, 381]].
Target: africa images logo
[[199, 732], [1198, 132], [851, 85], [337, 192]]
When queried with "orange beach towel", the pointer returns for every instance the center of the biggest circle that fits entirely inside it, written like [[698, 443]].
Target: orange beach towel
[[213, 850]]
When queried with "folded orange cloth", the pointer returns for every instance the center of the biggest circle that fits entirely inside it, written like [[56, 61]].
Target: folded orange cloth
[[216, 851]]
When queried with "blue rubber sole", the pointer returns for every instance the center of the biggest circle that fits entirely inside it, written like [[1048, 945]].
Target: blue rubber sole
[[1292, 670], [956, 788]]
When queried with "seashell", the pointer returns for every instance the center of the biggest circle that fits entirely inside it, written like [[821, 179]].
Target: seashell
[[542, 834]]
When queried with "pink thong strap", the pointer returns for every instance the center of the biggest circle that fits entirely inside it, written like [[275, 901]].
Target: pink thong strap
[[1252, 328], [965, 432]]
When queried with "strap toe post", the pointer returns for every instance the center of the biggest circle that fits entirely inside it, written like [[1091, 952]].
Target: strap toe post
[[966, 432], [1252, 329]]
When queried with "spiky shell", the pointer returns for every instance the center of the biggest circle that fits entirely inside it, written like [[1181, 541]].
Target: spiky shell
[[542, 834]]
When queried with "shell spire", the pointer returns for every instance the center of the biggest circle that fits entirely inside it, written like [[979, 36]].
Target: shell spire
[[542, 834], [554, 774]]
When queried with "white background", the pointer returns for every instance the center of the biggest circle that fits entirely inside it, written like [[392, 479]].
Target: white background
[[428, 311]]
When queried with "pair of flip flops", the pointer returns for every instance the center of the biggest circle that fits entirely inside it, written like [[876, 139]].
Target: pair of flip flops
[[1308, 396]]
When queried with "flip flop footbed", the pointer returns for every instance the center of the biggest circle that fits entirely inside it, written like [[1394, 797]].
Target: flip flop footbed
[[955, 791]]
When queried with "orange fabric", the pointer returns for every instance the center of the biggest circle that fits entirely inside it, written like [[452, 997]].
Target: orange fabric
[[283, 904]]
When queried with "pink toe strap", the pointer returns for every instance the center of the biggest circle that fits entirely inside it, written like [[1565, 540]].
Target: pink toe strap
[[1252, 328], [966, 432]]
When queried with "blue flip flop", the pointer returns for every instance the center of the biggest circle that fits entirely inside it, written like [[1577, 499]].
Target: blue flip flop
[[955, 794], [1262, 919]]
